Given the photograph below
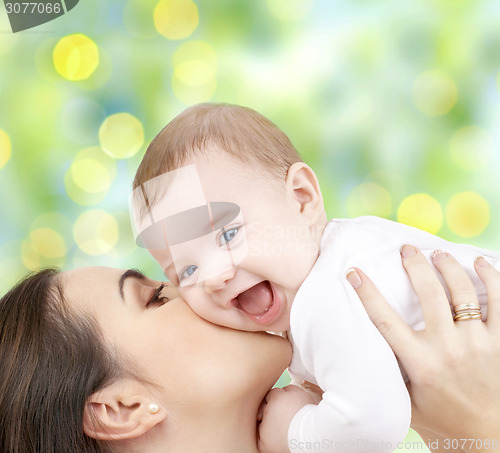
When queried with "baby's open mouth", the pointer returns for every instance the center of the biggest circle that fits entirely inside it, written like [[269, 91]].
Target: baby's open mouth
[[257, 300]]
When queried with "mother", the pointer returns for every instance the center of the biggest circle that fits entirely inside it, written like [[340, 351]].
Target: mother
[[98, 360]]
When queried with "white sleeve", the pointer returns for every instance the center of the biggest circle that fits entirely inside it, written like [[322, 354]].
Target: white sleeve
[[365, 406], [382, 262]]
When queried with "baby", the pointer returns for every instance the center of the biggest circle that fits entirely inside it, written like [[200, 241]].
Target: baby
[[235, 218]]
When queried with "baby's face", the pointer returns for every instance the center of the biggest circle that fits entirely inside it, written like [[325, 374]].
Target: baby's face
[[245, 273]]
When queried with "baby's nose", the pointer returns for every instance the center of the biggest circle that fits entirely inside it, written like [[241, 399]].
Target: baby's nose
[[219, 282]]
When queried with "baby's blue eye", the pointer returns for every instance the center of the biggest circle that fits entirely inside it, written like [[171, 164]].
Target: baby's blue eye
[[188, 272], [228, 236]]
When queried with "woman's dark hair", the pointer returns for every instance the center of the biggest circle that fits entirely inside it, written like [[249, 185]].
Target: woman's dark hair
[[51, 362]]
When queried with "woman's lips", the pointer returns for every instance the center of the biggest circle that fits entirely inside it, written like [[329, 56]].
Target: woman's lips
[[259, 303]]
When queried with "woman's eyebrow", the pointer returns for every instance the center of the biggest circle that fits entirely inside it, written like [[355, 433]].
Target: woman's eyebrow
[[134, 273]]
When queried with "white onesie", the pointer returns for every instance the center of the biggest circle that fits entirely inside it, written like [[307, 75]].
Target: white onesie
[[365, 405]]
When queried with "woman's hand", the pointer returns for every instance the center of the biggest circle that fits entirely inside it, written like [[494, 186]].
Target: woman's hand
[[453, 366]]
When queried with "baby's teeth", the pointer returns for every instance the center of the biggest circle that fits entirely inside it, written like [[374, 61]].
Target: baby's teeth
[[266, 310]]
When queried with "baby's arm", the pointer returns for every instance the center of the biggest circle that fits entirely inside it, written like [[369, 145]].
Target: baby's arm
[[382, 262], [365, 407], [279, 407]]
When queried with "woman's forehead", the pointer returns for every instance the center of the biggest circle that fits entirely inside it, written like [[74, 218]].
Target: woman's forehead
[[84, 285]]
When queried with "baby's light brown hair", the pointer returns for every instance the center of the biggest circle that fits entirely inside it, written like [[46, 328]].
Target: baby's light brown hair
[[239, 131]]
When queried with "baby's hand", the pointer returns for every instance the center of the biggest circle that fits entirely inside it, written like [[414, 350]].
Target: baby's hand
[[279, 407]]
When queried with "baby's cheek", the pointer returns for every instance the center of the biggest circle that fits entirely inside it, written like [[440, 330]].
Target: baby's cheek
[[199, 303], [188, 295]]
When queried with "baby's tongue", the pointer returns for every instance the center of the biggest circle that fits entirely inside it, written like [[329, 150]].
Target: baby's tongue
[[256, 299]]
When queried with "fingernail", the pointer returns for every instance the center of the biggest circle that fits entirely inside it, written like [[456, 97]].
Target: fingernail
[[407, 251], [480, 261], [353, 278], [438, 255]]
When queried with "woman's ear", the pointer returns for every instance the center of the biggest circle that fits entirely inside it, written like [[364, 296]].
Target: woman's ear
[[123, 410], [303, 186]]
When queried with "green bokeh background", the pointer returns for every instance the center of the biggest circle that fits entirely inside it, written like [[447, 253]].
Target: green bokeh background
[[383, 98]]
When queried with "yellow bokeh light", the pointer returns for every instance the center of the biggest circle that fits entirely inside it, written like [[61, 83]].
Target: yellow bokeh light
[[467, 214], [190, 94], [76, 57], [48, 243], [5, 148], [435, 93], [30, 258], [472, 148], [53, 221], [195, 50], [369, 199], [96, 232], [90, 175], [195, 73], [121, 135], [422, 211], [176, 19], [80, 196], [43, 247], [289, 10], [195, 78]]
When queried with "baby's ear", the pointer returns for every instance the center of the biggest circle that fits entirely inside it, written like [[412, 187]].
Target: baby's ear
[[303, 186], [122, 410]]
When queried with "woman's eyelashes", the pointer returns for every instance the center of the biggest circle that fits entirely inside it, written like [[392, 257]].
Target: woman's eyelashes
[[156, 298]]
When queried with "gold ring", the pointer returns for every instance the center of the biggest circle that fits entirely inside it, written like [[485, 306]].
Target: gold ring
[[467, 307], [461, 312], [467, 315]]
